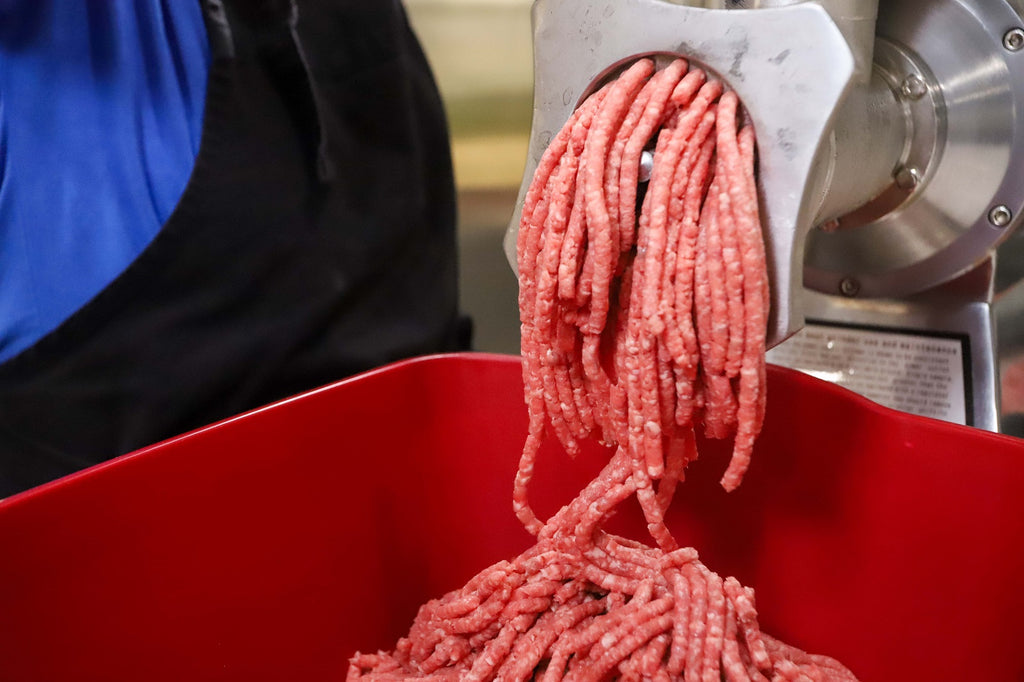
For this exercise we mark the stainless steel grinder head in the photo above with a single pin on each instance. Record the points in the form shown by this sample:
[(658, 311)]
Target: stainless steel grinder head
[(790, 66)]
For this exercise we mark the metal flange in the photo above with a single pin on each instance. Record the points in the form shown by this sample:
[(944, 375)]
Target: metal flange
[(790, 66)]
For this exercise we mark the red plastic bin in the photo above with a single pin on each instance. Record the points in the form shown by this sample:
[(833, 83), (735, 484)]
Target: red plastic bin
[(273, 545)]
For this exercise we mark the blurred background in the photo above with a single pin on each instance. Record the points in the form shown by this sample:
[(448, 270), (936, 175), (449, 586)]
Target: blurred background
[(482, 56)]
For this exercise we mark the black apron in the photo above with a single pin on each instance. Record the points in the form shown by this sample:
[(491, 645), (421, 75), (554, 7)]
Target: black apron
[(314, 239)]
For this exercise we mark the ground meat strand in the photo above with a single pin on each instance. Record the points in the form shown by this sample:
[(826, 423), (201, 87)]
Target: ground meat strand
[(637, 330), (601, 253)]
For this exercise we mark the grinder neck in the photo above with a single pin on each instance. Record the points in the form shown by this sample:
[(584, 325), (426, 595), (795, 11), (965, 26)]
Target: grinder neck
[(862, 153)]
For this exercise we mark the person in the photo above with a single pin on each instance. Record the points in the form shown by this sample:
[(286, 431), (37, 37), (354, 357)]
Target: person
[(207, 206)]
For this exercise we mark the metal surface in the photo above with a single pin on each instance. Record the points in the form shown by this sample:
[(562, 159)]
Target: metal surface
[(1017, 6), (770, 57), (854, 18), (961, 307), (851, 173), (886, 139), (970, 182)]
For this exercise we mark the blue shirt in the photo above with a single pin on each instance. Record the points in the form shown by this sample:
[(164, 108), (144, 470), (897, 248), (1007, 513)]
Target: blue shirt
[(101, 107)]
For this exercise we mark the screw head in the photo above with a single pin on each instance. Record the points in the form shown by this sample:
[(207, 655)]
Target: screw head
[(1000, 216), (849, 287), (907, 177), (646, 165), (914, 87), (1013, 40)]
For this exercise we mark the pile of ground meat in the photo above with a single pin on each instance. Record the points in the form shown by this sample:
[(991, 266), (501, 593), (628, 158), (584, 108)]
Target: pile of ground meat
[(644, 304)]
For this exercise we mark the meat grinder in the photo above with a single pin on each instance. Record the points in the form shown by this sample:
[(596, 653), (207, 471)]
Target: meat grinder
[(890, 172)]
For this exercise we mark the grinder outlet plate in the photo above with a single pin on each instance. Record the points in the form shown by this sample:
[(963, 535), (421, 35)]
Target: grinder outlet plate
[(772, 58)]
